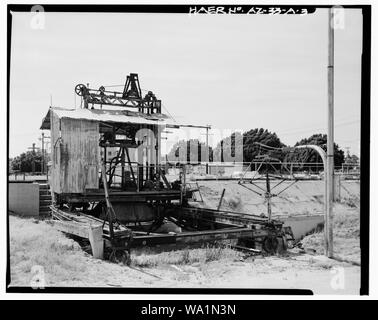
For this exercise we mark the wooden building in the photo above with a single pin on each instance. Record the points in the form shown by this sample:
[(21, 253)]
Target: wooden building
[(77, 136)]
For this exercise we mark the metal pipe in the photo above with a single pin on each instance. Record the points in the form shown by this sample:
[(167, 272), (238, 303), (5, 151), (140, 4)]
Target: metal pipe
[(323, 155)]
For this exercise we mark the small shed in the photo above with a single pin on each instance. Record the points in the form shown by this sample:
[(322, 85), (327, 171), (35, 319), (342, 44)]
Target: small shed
[(75, 142)]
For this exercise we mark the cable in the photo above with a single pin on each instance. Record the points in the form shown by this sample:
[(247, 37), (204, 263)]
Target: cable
[(288, 133), (169, 114), (317, 127)]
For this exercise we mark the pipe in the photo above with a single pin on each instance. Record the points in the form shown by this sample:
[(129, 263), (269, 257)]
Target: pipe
[(327, 221)]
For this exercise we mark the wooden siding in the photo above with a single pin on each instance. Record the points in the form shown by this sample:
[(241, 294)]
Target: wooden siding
[(79, 165), (55, 153)]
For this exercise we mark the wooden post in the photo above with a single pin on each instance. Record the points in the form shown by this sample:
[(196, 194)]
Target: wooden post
[(96, 241), (330, 136), (109, 207), (220, 200)]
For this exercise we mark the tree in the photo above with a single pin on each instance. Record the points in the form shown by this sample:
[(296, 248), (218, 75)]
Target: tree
[(311, 155), (262, 136), (352, 159), (24, 162), (249, 148), (197, 151)]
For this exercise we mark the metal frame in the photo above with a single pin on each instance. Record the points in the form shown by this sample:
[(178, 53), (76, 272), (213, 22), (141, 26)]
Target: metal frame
[(169, 202), (131, 96)]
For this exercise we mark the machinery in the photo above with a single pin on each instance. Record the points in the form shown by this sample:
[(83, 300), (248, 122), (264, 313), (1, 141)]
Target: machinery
[(131, 96), (106, 171)]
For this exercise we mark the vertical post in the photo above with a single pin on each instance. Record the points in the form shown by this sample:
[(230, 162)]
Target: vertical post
[(96, 241), (43, 154), (207, 150), (221, 199), (104, 158), (33, 161), (268, 196), (158, 146), (330, 135), (110, 211), (221, 155), (123, 168), (137, 177)]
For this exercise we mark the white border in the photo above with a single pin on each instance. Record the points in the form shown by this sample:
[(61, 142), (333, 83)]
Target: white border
[(373, 277)]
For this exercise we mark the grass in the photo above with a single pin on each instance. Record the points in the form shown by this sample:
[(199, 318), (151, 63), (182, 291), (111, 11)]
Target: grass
[(35, 243), (346, 234), (65, 264)]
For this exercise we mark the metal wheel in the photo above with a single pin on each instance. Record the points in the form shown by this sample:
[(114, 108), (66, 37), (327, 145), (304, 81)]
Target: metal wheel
[(270, 244), (120, 256), (80, 89)]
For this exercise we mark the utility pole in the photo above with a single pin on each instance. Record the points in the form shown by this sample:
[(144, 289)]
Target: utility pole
[(207, 147), (330, 139), (33, 148), (43, 149)]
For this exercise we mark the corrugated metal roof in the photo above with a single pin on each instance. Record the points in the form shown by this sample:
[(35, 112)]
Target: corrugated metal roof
[(115, 116)]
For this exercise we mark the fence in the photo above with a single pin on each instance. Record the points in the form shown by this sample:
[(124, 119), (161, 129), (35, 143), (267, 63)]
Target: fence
[(27, 176)]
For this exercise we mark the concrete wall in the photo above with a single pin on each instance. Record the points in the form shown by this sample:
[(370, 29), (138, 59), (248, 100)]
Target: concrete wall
[(24, 198)]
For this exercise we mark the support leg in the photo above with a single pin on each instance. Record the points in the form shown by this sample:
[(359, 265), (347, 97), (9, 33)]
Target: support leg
[(96, 241)]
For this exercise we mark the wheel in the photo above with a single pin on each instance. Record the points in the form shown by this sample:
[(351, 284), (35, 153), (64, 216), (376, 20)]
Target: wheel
[(80, 89), (270, 244), (120, 256)]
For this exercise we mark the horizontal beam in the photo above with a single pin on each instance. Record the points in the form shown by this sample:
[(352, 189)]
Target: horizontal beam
[(197, 237), (76, 228), (177, 126)]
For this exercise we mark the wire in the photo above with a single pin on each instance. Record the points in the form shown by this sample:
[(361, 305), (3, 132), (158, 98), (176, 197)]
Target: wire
[(313, 129), (169, 114), (289, 133), (317, 127)]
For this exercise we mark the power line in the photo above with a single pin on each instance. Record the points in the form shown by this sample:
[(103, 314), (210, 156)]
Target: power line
[(341, 124)]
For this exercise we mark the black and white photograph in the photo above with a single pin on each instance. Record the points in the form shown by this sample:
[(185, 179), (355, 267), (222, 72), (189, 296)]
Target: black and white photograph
[(184, 148)]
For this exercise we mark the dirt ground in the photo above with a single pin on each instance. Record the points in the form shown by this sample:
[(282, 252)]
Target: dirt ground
[(39, 252)]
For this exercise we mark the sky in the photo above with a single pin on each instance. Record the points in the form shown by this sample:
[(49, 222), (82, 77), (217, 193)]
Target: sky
[(229, 71)]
